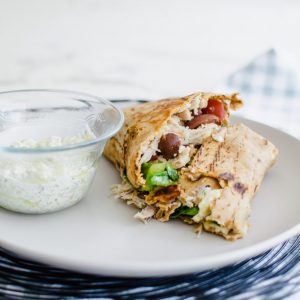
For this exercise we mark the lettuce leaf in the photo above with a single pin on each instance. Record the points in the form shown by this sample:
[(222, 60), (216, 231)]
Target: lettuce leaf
[(185, 211), (158, 174), (172, 172)]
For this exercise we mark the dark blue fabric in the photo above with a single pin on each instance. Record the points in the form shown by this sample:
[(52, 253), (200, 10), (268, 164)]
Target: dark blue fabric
[(274, 274)]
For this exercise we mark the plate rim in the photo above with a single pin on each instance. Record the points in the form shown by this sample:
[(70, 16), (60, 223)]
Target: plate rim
[(145, 270)]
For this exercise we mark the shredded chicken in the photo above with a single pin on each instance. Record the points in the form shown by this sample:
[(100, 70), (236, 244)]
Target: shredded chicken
[(161, 205), (126, 192), (166, 210), (195, 104), (187, 135), (184, 156), (189, 201), (149, 150), (185, 115), (145, 214), (197, 136), (198, 229)]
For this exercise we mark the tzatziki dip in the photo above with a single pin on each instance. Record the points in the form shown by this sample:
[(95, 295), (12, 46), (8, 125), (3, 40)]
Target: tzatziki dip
[(49, 181)]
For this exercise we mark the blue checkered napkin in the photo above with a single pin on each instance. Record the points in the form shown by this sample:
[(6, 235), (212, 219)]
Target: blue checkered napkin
[(270, 86)]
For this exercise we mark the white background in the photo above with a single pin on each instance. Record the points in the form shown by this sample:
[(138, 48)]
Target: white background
[(137, 48)]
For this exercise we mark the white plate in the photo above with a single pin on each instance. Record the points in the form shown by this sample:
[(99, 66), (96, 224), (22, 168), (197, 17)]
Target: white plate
[(99, 235)]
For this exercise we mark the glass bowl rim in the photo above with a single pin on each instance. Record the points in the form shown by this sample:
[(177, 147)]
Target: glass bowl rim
[(105, 136)]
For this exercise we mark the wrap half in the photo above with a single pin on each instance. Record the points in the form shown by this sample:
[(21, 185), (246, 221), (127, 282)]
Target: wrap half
[(224, 177)]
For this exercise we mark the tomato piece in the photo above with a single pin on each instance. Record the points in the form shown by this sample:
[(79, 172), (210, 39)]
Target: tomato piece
[(216, 108)]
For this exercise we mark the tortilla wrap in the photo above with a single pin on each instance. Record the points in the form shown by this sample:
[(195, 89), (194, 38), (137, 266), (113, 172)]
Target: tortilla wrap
[(239, 165)]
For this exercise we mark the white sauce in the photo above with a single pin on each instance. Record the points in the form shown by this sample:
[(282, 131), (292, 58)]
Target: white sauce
[(41, 183)]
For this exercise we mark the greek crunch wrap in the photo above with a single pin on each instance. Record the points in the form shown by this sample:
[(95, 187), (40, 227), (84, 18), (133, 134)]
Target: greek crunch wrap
[(179, 159)]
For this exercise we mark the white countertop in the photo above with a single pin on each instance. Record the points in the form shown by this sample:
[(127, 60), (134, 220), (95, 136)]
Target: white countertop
[(147, 49)]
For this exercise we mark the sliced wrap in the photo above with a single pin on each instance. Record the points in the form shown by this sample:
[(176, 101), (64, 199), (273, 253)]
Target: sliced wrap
[(179, 159)]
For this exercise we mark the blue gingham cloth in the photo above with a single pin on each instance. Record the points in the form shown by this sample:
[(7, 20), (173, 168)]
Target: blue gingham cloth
[(269, 86)]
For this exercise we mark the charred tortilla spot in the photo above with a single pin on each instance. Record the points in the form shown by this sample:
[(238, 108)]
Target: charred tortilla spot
[(133, 132), (240, 188), (166, 190), (226, 176), (163, 196)]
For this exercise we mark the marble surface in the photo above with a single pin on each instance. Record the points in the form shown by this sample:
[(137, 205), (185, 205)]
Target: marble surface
[(145, 49)]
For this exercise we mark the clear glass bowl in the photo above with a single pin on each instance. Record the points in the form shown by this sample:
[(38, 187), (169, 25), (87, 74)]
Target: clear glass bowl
[(50, 143)]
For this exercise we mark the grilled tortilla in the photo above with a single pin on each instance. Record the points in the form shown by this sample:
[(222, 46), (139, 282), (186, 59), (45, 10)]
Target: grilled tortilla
[(236, 167)]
